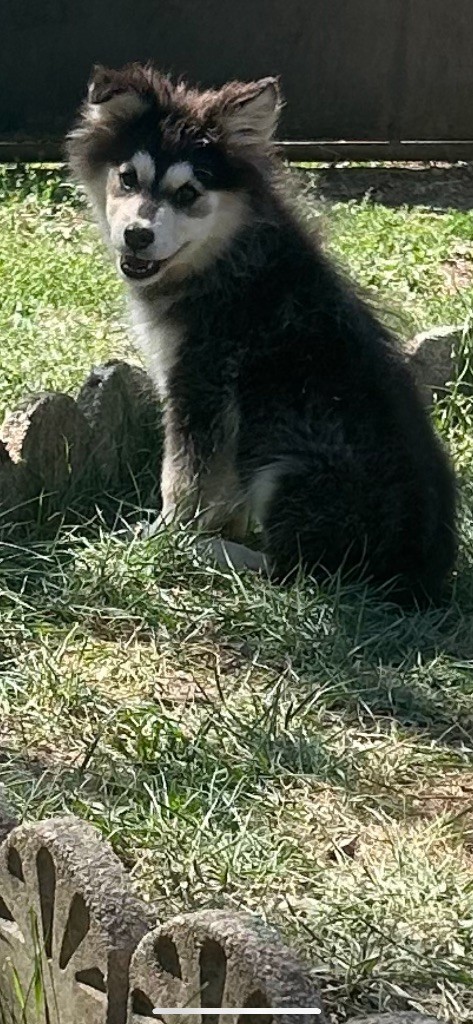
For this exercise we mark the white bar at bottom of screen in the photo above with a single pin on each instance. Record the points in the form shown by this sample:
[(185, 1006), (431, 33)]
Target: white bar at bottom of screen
[(220, 1011)]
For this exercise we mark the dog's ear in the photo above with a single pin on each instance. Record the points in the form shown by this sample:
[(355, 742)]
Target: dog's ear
[(249, 113), (112, 95)]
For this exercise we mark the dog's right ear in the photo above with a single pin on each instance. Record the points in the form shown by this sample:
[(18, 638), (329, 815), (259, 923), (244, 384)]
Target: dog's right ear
[(113, 95)]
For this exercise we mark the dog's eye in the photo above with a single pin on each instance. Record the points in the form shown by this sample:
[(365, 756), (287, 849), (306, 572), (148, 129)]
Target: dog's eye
[(185, 195), (128, 178)]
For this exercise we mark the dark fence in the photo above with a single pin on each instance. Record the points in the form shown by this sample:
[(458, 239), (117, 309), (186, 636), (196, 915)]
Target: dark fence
[(382, 79)]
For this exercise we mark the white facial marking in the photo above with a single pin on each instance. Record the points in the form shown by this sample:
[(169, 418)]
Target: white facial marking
[(145, 169), (199, 237), (177, 175)]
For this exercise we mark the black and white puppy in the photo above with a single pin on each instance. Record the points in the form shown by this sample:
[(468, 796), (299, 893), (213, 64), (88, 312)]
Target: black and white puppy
[(286, 400)]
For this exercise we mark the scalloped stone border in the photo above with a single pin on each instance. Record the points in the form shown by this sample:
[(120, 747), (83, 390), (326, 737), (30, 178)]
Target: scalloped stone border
[(76, 945), (57, 452)]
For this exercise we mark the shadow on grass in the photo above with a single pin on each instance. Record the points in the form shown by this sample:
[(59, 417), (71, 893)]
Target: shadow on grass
[(368, 658), (382, 663), (439, 188)]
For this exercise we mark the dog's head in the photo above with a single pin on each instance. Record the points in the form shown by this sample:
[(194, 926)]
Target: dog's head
[(171, 171)]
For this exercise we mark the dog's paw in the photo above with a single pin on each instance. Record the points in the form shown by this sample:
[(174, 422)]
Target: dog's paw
[(231, 556), (147, 530)]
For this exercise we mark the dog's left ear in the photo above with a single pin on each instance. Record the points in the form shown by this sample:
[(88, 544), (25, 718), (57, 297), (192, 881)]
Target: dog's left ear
[(249, 112), (117, 94)]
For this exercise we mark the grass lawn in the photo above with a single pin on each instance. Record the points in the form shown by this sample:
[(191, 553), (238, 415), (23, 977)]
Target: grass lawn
[(305, 754)]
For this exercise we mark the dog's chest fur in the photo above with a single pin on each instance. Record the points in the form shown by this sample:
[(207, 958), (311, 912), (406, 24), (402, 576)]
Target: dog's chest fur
[(160, 336)]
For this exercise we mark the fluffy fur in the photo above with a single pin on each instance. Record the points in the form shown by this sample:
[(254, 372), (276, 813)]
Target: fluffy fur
[(286, 399)]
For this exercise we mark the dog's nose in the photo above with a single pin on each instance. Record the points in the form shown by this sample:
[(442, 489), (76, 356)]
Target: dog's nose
[(137, 237)]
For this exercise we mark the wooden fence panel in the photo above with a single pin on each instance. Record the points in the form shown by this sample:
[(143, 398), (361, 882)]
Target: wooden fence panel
[(369, 72)]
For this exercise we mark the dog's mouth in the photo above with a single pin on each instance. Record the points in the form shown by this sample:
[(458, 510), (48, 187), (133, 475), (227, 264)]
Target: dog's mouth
[(138, 269)]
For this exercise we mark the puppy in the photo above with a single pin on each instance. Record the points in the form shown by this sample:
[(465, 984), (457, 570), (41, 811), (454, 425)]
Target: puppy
[(286, 400)]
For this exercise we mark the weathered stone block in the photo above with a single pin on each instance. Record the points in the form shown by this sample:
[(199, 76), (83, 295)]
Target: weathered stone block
[(433, 359), (123, 412), (215, 958), (68, 925), (44, 459)]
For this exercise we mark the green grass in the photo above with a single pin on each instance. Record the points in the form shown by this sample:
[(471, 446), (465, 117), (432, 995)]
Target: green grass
[(307, 753)]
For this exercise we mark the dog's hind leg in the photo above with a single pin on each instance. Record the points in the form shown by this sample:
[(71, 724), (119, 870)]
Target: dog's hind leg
[(316, 517), (334, 512)]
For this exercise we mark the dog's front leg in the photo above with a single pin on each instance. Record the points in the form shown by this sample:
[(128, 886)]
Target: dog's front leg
[(199, 481), (179, 480)]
